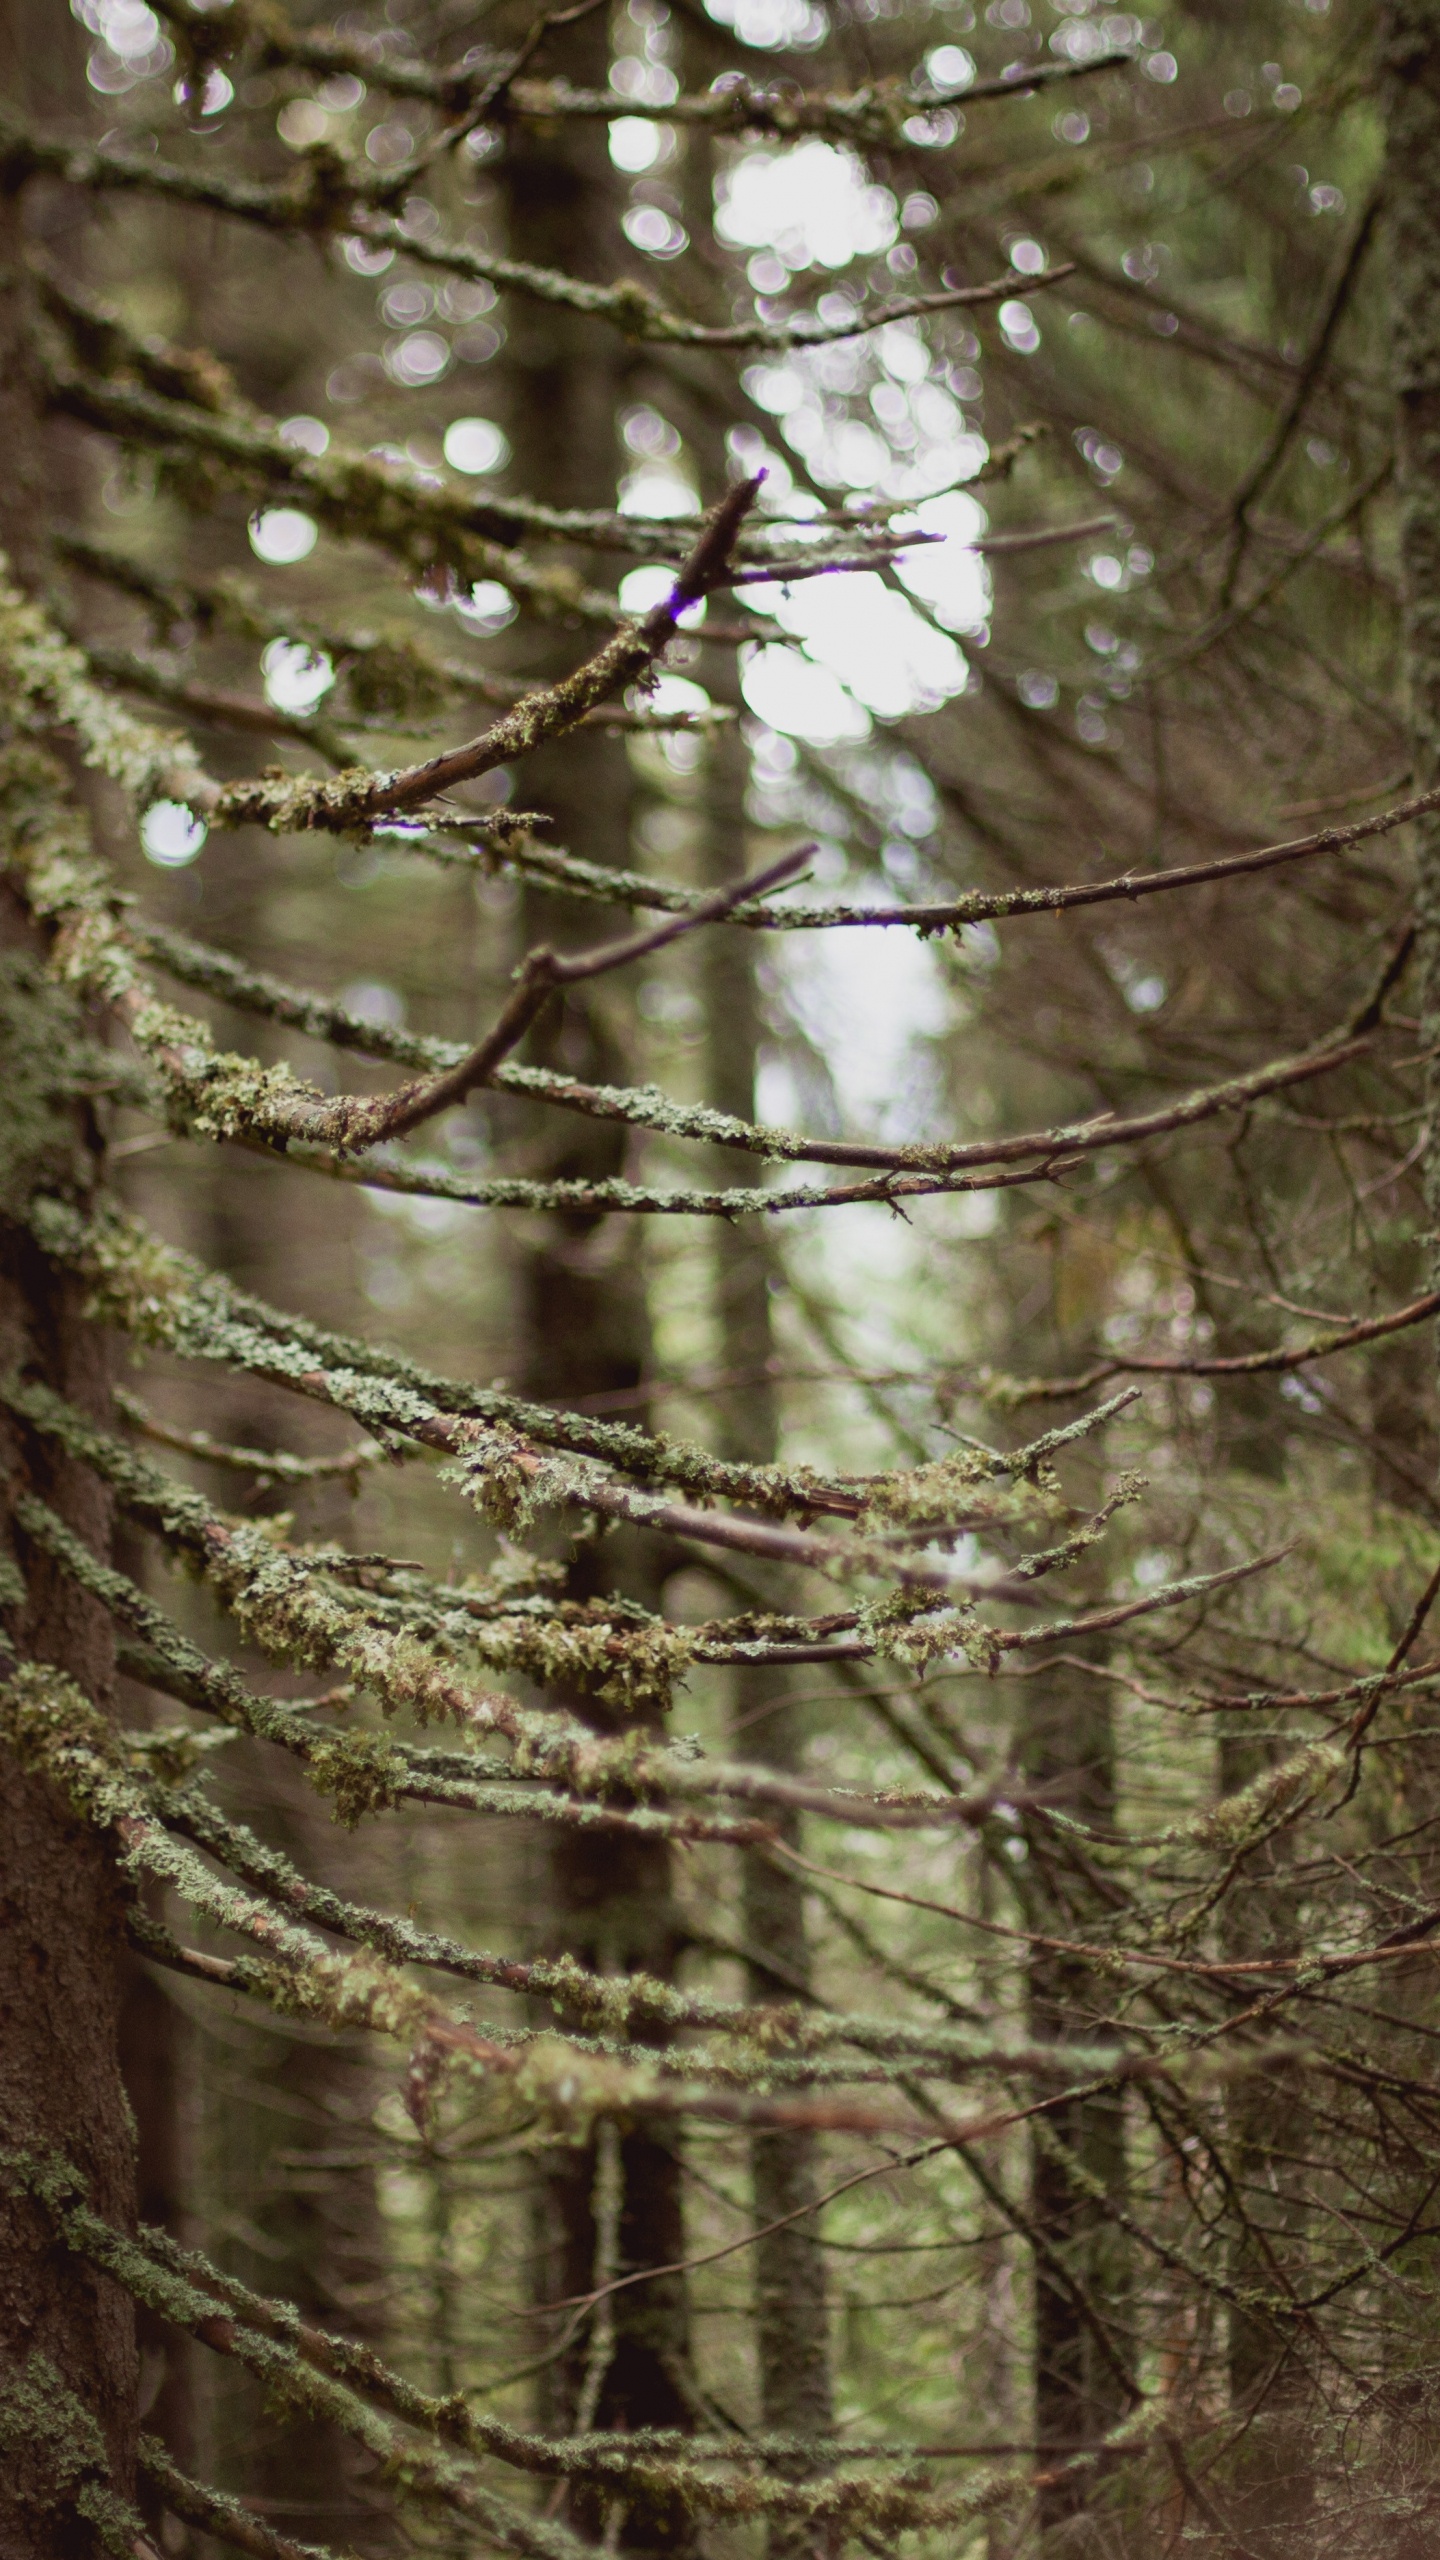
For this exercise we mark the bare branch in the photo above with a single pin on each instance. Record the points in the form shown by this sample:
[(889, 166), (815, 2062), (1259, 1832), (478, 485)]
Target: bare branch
[(1240, 1364), (569, 872)]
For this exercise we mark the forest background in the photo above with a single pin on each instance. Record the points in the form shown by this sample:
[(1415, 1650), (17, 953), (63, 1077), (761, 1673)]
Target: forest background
[(1013, 2127)]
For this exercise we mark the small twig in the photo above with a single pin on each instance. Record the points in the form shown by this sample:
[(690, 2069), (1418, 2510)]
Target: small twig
[(542, 972), (1369, 1706), (1041, 537), (274, 1466), (1240, 1364), (547, 713)]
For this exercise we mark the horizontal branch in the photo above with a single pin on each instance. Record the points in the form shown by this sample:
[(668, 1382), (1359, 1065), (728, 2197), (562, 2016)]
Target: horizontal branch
[(568, 872), (357, 499), (1122, 1613), (325, 194), (361, 1772), (543, 973), (618, 2005), (638, 312), (876, 115), (235, 1099), (323, 2377), (1243, 1364), (908, 1173), (215, 2512), (189, 399), (166, 1298), (1043, 537), (213, 705), (485, 80), (273, 1466)]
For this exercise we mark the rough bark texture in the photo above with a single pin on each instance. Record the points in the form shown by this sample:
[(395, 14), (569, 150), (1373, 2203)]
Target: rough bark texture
[(156, 2063), (60, 2084), (585, 1332)]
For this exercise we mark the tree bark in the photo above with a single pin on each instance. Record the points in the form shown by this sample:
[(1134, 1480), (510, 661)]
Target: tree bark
[(585, 1332), (791, 2306), (63, 2328), (1410, 55), (292, 2148), (1409, 48), (1082, 2344)]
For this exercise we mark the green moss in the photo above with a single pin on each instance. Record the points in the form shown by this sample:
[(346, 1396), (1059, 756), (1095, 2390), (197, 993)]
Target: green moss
[(1238, 1821), (36, 2409)]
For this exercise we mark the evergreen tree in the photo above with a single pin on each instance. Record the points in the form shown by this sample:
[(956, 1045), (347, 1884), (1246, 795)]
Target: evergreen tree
[(1016, 1992)]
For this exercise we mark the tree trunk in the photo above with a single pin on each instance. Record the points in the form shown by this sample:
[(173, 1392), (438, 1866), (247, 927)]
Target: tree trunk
[(1082, 2345), (1410, 48), (63, 2328), (585, 1332), (791, 2309), (1409, 42), (292, 2142)]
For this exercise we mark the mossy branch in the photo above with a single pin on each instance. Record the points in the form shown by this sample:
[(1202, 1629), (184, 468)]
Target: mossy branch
[(328, 194), (303, 2367)]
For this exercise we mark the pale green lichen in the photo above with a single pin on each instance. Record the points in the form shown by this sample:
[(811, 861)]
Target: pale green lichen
[(168, 1299), (48, 684), (47, 2430), (54, 1730), (907, 1627), (1238, 1821), (362, 1773)]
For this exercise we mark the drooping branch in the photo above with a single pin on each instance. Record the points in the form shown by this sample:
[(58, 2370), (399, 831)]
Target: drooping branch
[(542, 974), (187, 400), (394, 675)]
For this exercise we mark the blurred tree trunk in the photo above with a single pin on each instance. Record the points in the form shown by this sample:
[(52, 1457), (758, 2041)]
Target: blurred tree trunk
[(1272, 2402), (63, 2329), (791, 2310), (1083, 2347), (1410, 45), (1403, 1407), (157, 2062), (291, 2147), (585, 1333)]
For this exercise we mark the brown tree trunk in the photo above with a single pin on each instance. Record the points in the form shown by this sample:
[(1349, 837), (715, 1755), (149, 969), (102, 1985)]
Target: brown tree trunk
[(157, 2063), (63, 2329), (1082, 2344), (292, 2148), (585, 1332), (1410, 51), (791, 2307), (1404, 1408)]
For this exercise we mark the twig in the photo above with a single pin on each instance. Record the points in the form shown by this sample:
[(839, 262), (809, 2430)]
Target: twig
[(542, 973), (547, 713)]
